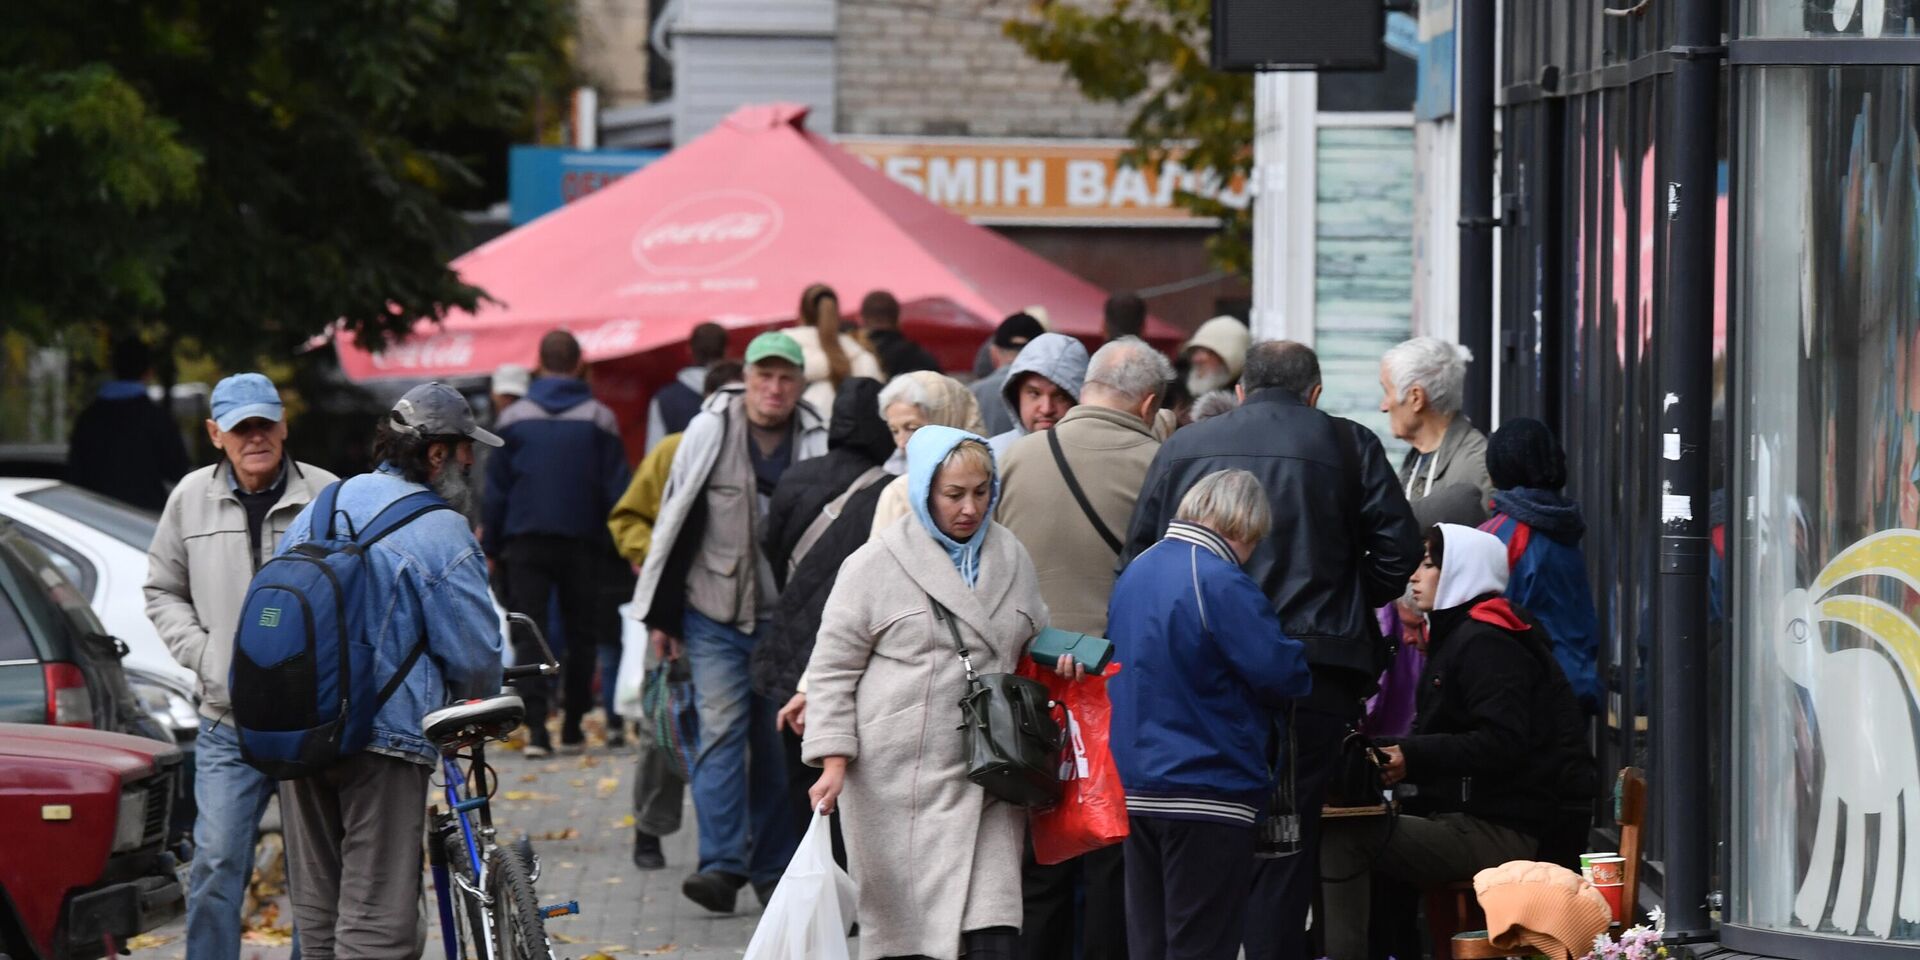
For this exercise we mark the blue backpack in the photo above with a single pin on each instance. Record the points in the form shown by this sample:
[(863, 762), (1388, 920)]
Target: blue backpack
[(303, 687)]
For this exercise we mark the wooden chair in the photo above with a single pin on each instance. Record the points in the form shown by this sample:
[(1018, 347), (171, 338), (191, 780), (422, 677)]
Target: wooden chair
[(1455, 908)]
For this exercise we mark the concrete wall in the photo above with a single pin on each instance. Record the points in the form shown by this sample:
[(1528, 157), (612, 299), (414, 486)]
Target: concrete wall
[(613, 50), (943, 67)]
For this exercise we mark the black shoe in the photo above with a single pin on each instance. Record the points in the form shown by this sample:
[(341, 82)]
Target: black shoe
[(647, 854), (617, 738), (572, 741), (714, 890), (765, 892)]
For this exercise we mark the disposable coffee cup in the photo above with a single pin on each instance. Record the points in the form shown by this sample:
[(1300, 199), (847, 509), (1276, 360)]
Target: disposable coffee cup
[(1614, 892), (1608, 871), (1586, 863)]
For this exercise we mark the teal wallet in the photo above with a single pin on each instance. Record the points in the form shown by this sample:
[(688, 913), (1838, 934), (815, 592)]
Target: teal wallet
[(1093, 653)]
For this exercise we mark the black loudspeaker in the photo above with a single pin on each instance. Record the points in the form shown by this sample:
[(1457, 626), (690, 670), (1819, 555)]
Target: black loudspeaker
[(1299, 34)]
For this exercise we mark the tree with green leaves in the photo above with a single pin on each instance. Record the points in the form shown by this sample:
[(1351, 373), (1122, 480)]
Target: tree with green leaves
[(246, 172), (1152, 54)]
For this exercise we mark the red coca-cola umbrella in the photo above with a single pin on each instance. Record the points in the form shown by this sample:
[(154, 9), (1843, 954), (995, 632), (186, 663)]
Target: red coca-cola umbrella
[(731, 228)]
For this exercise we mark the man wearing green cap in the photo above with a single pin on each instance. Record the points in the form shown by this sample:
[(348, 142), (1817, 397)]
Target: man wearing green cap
[(713, 588)]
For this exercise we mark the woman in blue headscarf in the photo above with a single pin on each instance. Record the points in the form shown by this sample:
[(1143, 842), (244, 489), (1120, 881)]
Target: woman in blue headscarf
[(937, 859)]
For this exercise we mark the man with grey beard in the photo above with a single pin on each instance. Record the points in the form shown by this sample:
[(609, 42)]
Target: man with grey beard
[(353, 830)]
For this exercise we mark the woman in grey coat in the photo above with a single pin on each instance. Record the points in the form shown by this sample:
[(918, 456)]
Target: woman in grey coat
[(937, 859)]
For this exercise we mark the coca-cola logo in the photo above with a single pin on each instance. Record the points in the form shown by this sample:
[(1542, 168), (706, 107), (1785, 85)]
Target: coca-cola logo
[(440, 351), (707, 232)]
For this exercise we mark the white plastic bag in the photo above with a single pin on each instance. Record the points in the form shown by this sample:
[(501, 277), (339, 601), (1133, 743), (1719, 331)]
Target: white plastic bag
[(813, 908), (634, 658)]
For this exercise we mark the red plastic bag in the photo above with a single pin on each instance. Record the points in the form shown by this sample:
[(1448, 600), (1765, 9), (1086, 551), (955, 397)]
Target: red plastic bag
[(1092, 812)]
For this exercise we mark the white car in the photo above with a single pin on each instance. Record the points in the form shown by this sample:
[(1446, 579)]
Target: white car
[(101, 545)]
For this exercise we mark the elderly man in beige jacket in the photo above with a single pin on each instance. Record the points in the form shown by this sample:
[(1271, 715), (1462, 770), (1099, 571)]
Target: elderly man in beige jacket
[(220, 524), (1068, 494)]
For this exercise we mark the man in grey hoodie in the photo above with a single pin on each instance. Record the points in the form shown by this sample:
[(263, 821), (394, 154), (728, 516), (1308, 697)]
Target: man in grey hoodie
[(1042, 384)]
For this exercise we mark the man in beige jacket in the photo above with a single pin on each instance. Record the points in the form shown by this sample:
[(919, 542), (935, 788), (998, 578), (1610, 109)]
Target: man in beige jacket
[(1106, 444), (220, 524)]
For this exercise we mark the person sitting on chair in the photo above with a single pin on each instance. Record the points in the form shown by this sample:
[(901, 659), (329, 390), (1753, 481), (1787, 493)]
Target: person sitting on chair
[(1497, 744)]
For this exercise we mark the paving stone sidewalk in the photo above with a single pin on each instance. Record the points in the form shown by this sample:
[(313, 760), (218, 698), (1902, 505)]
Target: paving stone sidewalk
[(578, 810)]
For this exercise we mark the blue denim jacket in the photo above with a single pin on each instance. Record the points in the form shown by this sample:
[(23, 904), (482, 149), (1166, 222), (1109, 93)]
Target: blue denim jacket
[(428, 575)]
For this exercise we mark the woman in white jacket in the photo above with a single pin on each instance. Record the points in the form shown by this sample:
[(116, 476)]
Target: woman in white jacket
[(831, 356)]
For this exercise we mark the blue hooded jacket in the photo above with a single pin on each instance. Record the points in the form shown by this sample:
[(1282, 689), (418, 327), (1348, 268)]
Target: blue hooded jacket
[(926, 450), (562, 470), (1548, 578), (1205, 673)]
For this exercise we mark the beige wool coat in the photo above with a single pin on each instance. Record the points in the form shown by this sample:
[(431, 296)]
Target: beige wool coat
[(933, 854), (1109, 452)]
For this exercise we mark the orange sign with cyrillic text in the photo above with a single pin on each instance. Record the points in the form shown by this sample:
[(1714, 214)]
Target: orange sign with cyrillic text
[(1011, 181)]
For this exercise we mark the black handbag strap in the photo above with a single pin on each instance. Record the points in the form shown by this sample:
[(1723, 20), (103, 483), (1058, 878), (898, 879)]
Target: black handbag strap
[(1079, 495), (942, 614)]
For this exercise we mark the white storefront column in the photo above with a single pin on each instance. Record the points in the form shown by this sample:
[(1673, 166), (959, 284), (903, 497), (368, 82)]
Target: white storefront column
[(1284, 108)]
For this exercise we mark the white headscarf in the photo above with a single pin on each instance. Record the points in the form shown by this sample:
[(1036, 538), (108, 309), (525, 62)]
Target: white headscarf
[(1473, 564)]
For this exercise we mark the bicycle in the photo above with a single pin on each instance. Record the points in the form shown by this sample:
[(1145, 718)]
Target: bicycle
[(485, 891)]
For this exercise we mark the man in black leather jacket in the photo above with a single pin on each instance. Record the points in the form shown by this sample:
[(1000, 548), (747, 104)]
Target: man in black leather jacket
[(1344, 543)]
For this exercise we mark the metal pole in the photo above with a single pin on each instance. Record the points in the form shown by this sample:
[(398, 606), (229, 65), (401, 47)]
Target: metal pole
[(1685, 357), (1473, 32)]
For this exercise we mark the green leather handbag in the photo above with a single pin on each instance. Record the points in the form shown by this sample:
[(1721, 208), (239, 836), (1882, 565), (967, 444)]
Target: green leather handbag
[(1011, 740)]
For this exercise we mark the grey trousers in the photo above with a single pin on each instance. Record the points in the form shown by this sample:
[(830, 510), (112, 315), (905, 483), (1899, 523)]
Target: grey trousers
[(1421, 851), (354, 855)]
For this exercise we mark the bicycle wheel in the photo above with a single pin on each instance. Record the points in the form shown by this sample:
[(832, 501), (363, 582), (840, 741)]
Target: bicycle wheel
[(469, 914), (519, 931)]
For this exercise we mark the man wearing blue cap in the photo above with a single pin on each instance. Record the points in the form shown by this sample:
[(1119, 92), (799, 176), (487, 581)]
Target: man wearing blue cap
[(219, 525)]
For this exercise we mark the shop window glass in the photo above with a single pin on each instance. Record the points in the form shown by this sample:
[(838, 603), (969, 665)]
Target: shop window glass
[(1830, 18), (1826, 578)]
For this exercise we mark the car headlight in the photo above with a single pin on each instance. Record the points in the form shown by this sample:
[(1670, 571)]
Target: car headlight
[(130, 828), (166, 704)]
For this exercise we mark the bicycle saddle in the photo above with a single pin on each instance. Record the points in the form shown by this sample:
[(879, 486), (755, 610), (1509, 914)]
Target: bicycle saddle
[(465, 724)]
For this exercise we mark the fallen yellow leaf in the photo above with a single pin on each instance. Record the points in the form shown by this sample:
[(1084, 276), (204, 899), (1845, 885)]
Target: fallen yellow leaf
[(567, 834), (558, 937), (624, 823), (527, 795), (529, 778), (607, 786), (148, 941)]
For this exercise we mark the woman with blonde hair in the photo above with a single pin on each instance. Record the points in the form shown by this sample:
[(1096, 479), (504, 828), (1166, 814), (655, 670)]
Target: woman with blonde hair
[(832, 356), (937, 857)]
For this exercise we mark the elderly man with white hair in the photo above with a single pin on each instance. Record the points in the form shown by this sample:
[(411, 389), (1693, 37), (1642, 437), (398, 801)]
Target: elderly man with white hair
[(1422, 380), (1067, 494)]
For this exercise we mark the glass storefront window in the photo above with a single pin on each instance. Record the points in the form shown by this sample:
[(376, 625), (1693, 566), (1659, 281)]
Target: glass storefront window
[(1778, 19), (1826, 512)]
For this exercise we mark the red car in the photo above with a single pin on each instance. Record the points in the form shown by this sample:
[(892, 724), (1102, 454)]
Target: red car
[(84, 865)]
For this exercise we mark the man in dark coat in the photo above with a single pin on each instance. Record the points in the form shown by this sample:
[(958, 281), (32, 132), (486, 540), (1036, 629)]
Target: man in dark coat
[(1343, 544), (858, 443), (124, 445), (549, 491)]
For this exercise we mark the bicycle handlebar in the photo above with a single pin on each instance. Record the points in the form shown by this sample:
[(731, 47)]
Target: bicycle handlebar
[(530, 670)]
